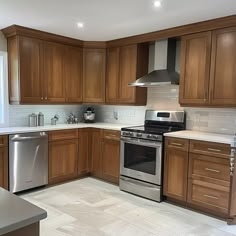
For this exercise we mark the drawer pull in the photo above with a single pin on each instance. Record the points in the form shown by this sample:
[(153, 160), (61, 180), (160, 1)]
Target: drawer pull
[(212, 170), (212, 197), (213, 150), (177, 144)]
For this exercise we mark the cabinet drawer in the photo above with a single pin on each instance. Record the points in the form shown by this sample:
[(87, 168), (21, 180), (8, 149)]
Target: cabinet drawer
[(63, 134), (210, 196), (111, 134), (3, 141), (210, 148), (178, 143), (210, 167)]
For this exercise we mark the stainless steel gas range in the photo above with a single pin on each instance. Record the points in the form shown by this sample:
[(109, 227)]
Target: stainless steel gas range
[(142, 151)]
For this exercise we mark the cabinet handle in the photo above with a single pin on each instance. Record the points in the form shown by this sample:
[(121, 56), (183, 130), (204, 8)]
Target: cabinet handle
[(177, 144), (41, 98), (46, 98), (212, 197), (213, 150), (212, 170)]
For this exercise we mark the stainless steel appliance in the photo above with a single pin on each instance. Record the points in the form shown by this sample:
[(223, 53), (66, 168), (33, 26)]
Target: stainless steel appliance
[(142, 150), (89, 115), (28, 161), (40, 119)]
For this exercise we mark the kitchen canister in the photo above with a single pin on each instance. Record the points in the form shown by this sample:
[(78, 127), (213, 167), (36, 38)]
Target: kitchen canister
[(40, 119), (33, 120)]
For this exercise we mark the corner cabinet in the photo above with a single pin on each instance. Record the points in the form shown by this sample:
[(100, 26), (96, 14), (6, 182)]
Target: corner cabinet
[(124, 65), (208, 69), (94, 72)]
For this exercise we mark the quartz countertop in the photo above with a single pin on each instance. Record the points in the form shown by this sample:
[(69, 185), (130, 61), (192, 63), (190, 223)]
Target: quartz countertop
[(16, 213), (203, 136), (25, 129)]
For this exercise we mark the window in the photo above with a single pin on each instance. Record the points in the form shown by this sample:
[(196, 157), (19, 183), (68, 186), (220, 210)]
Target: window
[(3, 90)]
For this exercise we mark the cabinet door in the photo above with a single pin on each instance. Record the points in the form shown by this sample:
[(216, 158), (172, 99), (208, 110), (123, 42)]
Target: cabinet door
[(223, 72), (31, 86), (195, 68), (73, 65), (94, 75), (112, 79), (128, 63), (96, 163), (84, 151), (175, 174), (111, 160), (54, 86), (63, 158), (4, 167)]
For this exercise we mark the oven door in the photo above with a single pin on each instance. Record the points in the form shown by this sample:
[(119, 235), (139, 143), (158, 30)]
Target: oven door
[(141, 159)]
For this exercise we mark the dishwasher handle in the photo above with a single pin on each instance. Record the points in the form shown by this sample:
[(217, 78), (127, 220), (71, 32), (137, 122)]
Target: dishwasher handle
[(27, 138)]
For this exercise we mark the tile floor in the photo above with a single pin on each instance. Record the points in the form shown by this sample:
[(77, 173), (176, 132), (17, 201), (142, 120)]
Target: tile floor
[(90, 207)]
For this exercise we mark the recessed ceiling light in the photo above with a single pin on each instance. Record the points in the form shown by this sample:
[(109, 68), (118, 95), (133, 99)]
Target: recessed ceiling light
[(157, 4), (80, 24)]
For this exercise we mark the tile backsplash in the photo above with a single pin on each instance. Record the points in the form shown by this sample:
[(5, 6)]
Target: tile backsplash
[(216, 120), (18, 114)]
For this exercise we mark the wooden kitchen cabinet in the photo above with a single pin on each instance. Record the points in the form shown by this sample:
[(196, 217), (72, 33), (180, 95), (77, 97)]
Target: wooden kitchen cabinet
[(111, 156), (4, 167), (124, 65), (176, 168), (42, 71), (96, 161), (94, 71), (223, 73), (73, 68), (195, 68), (208, 69), (84, 151), (63, 157), (54, 84)]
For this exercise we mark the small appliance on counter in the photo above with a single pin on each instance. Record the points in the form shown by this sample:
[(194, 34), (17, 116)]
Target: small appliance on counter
[(89, 115)]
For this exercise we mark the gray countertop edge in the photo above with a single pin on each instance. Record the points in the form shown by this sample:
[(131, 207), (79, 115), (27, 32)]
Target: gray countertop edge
[(23, 223)]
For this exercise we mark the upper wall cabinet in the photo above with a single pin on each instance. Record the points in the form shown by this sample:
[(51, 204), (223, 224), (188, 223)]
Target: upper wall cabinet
[(94, 68), (73, 68), (208, 69), (124, 65), (43, 68)]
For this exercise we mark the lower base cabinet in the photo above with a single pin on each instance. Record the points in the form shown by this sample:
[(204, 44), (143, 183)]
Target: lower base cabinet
[(197, 175), (63, 157), (4, 167), (111, 156)]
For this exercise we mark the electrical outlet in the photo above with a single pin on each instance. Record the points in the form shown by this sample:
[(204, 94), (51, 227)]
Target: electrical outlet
[(115, 115)]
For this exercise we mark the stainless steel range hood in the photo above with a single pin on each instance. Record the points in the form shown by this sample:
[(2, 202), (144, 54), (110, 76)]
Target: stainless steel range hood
[(164, 66)]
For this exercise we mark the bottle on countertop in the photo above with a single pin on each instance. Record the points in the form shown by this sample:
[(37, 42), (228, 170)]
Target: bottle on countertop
[(40, 119)]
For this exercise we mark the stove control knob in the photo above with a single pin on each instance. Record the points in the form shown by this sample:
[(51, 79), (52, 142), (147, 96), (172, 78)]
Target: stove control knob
[(149, 136), (155, 137), (139, 135), (131, 134)]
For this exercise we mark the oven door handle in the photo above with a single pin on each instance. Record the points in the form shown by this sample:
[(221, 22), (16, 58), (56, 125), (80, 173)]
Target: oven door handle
[(142, 142)]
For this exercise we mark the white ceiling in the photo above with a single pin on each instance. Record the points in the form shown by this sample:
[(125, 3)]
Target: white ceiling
[(109, 19)]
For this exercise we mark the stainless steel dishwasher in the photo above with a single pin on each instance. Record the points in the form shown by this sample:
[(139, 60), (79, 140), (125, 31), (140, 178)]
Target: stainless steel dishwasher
[(28, 161)]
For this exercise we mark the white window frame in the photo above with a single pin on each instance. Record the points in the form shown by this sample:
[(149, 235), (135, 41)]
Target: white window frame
[(4, 95)]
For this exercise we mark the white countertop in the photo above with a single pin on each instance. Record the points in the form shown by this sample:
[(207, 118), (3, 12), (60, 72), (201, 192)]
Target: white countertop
[(14, 130), (203, 136)]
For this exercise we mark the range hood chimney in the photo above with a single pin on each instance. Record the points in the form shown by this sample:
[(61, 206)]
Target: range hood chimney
[(164, 66)]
